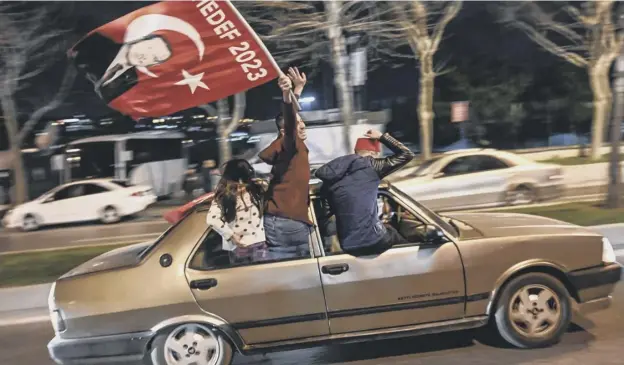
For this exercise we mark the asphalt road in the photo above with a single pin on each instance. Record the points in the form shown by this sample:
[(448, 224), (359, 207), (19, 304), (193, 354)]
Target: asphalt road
[(596, 339), (83, 235)]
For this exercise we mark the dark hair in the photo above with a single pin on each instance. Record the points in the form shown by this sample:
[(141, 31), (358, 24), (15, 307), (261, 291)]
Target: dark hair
[(237, 173)]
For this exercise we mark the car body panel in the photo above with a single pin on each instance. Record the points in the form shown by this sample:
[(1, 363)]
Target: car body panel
[(402, 286), (410, 289)]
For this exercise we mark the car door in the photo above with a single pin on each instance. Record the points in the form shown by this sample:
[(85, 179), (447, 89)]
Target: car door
[(54, 208), (410, 284), (95, 198), (265, 301), (468, 181)]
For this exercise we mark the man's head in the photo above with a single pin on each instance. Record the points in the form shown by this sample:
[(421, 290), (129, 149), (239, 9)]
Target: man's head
[(368, 147), (301, 128), (148, 52)]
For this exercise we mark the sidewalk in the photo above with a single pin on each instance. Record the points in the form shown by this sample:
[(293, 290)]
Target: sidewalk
[(28, 304)]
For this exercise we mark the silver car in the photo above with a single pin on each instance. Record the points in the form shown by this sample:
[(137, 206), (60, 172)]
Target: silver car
[(479, 178)]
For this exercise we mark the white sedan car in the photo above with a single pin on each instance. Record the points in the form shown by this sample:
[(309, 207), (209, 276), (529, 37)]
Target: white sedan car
[(476, 178), (88, 200)]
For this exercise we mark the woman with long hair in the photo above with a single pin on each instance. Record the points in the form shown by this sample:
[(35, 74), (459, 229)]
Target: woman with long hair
[(236, 212)]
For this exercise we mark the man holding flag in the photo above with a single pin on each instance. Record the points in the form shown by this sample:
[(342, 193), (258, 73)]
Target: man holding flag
[(286, 221)]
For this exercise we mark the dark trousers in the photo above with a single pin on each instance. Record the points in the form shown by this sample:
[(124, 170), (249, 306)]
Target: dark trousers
[(391, 237)]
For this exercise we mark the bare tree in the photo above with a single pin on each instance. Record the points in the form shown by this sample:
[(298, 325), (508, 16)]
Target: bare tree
[(310, 33), (420, 25), (25, 52), (227, 124), (583, 34)]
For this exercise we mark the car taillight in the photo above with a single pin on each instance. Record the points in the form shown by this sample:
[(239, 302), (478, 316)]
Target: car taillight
[(58, 323), (142, 193)]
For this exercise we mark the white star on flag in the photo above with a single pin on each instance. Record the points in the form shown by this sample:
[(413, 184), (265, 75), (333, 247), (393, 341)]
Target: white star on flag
[(193, 81)]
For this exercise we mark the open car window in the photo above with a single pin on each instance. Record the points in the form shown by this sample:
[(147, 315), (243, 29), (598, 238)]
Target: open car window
[(392, 214), (213, 253)]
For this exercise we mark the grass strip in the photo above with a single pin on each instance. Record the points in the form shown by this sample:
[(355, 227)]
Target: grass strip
[(30, 268), (581, 213), (578, 160)]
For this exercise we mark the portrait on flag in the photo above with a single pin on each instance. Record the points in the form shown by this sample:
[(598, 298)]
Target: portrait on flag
[(172, 56)]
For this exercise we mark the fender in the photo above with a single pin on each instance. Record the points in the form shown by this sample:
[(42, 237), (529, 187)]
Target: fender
[(515, 269), (207, 319)]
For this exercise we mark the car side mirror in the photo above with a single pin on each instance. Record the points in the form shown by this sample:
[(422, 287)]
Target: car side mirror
[(438, 175), (433, 235)]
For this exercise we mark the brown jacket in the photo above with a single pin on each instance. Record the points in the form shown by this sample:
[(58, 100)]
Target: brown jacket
[(288, 193)]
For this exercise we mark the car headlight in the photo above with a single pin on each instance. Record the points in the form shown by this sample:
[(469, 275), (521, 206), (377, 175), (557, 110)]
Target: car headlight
[(608, 255)]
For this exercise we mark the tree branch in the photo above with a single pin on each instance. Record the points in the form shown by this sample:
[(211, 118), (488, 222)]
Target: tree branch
[(450, 12), (66, 85)]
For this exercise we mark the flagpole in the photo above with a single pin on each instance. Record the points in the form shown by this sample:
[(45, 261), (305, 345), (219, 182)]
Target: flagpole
[(293, 98)]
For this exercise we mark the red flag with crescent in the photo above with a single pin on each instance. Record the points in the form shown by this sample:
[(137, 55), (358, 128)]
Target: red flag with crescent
[(172, 56)]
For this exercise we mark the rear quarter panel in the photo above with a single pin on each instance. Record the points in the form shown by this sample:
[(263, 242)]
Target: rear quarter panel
[(133, 299), (489, 262)]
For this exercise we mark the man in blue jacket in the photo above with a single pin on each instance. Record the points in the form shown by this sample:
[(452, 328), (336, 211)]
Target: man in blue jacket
[(351, 186)]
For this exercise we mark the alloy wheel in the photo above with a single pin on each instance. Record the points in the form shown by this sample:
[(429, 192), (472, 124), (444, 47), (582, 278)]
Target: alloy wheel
[(30, 223), (192, 344), (110, 215), (535, 310)]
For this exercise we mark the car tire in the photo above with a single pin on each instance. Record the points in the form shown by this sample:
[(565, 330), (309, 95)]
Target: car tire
[(110, 215), (545, 320), (171, 346), (30, 223), (521, 195)]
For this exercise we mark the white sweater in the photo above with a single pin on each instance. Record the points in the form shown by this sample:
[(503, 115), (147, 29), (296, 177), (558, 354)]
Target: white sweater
[(248, 223)]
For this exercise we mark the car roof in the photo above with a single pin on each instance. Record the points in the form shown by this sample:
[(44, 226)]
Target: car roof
[(98, 180)]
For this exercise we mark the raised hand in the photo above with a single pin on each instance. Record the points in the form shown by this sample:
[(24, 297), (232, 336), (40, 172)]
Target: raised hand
[(298, 79), (373, 134)]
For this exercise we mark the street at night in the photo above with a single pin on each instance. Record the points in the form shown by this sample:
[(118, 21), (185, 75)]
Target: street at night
[(598, 340)]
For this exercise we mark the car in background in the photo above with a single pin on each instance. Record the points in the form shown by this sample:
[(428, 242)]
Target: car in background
[(475, 178), (106, 200), (190, 303)]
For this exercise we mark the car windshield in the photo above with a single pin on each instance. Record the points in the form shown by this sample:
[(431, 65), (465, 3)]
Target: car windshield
[(423, 168), (431, 215)]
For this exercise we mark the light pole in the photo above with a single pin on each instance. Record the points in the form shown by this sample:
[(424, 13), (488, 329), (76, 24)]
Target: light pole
[(615, 174)]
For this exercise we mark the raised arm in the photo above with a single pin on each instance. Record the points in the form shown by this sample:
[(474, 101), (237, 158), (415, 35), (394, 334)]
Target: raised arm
[(387, 165)]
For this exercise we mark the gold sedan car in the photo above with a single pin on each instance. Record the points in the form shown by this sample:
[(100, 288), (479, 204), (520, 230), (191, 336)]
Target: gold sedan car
[(180, 300)]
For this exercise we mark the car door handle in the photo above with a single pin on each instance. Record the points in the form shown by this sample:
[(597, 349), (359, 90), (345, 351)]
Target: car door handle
[(335, 269), (204, 284)]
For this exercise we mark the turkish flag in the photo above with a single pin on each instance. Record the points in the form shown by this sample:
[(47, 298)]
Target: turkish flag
[(172, 56)]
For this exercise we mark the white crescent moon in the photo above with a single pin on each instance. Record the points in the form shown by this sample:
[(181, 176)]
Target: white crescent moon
[(145, 25)]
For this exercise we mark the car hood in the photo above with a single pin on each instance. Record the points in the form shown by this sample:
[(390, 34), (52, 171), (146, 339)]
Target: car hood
[(515, 224), (115, 259)]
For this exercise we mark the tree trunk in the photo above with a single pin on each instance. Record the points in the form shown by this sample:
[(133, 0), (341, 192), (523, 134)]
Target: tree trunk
[(425, 106), (339, 59), (226, 125), (601, 90), (20, 184), (225, 149), (614, 193)]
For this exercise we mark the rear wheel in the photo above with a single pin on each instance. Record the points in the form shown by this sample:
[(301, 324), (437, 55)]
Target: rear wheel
[(520, 195), (533, 311), (191, 343), (30, 223), (110, 215)]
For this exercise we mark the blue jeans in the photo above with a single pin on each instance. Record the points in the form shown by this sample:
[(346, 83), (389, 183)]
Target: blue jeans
[(286, 238)]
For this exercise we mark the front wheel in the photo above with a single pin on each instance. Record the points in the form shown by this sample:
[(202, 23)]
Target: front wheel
[(191, 343), (533, 311), (521, 195), (30, 223)]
